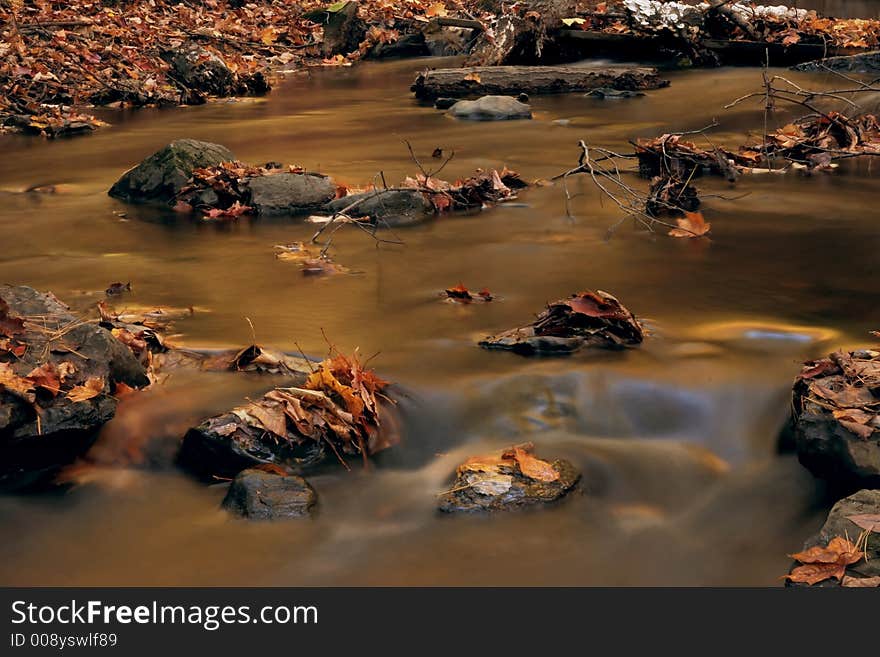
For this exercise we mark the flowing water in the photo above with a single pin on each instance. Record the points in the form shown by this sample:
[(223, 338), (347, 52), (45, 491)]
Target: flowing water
[(677, 440)]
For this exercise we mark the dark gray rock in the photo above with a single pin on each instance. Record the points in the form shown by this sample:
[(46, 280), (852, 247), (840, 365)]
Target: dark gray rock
[(200, 72), (844, 449), (260, 495), (161, 176), (33, 446), (408, 45), (866, 62), (491, 108), (605, 93), (444, 103), (290, 193), (865, 502), (391, 208)]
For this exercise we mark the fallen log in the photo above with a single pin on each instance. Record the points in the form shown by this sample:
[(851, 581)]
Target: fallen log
[(506, 80), (868, 62)]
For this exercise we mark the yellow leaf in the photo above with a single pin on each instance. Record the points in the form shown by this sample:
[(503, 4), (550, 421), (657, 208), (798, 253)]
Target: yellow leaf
[(91, 388), (269, 36)]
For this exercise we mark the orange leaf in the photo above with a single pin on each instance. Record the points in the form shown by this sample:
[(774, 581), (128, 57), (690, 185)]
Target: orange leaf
[(691, 225), (816, 572), (533, 467)]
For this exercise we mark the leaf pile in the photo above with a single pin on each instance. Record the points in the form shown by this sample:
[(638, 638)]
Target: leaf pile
[(735, 21), (821, 563), (336, 411), (513, 478), (586, 319), (845, 385), (228, 182), (485, 188)]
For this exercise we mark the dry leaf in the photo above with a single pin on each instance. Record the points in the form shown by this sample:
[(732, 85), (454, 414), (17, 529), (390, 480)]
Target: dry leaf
[(869, 521), (473, 76), (533, 467), (861, 582), (692, 224), (821, 563), (93, 387)]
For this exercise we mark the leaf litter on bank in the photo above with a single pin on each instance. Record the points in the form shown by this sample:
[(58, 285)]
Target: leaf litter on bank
[(820, 563)]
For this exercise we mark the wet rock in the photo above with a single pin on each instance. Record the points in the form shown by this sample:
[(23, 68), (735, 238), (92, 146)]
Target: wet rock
[(201, 72), (839, 523), (160, 177), (491, 108), (408, 45), (262, 495), (866, 62), (391, 208), (836, 413), (588, 319), (58, 375), (289, 193), (445, 103), (604, 93), (328, 413), (511, 480)]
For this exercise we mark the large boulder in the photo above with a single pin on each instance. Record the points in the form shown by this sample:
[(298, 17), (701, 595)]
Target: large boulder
[(160, 177), (850, 518), (836, 404), (386, 207), (267, 495), (58, 377), (491, 108), (289, 193)]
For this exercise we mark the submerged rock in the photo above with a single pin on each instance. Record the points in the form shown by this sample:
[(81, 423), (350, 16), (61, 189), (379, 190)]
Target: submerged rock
[(445, 103), (836, 416), (394, 208), (608, 92), (850, 518), (588, 319), (289, 193), (513, 479), (58, 375), (259, 494), (160, 177), (491, 108)]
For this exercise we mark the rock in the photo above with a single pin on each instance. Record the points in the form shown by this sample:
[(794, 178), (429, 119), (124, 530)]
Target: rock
[(261, 495), (41, 428), (161, 176), (444, 103), (588, 319), (606, 93), (289, 193), (199, 71), (478, 81), (408, 45), (864, 502), (512, 480), (391, 208), (491, 108), (448, 41), (866, 62), (343, 30), (836, 413)]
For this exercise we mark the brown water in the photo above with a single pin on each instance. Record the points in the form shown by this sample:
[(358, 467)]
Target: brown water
[(677, 440)]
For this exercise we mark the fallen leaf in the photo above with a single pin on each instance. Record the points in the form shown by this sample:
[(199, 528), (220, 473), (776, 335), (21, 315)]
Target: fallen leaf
[(816, 572), (861, 582), (93, 387), (473, 76), (14, 384), (533, 467), (839, 550), (869, 521), (692, 224), (9, 326), (47, 377)]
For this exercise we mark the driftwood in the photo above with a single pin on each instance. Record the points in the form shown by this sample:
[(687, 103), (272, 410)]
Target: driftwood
[(482, 80)]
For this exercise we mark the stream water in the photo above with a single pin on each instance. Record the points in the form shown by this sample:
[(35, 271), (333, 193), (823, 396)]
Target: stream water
[(677, 440)]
